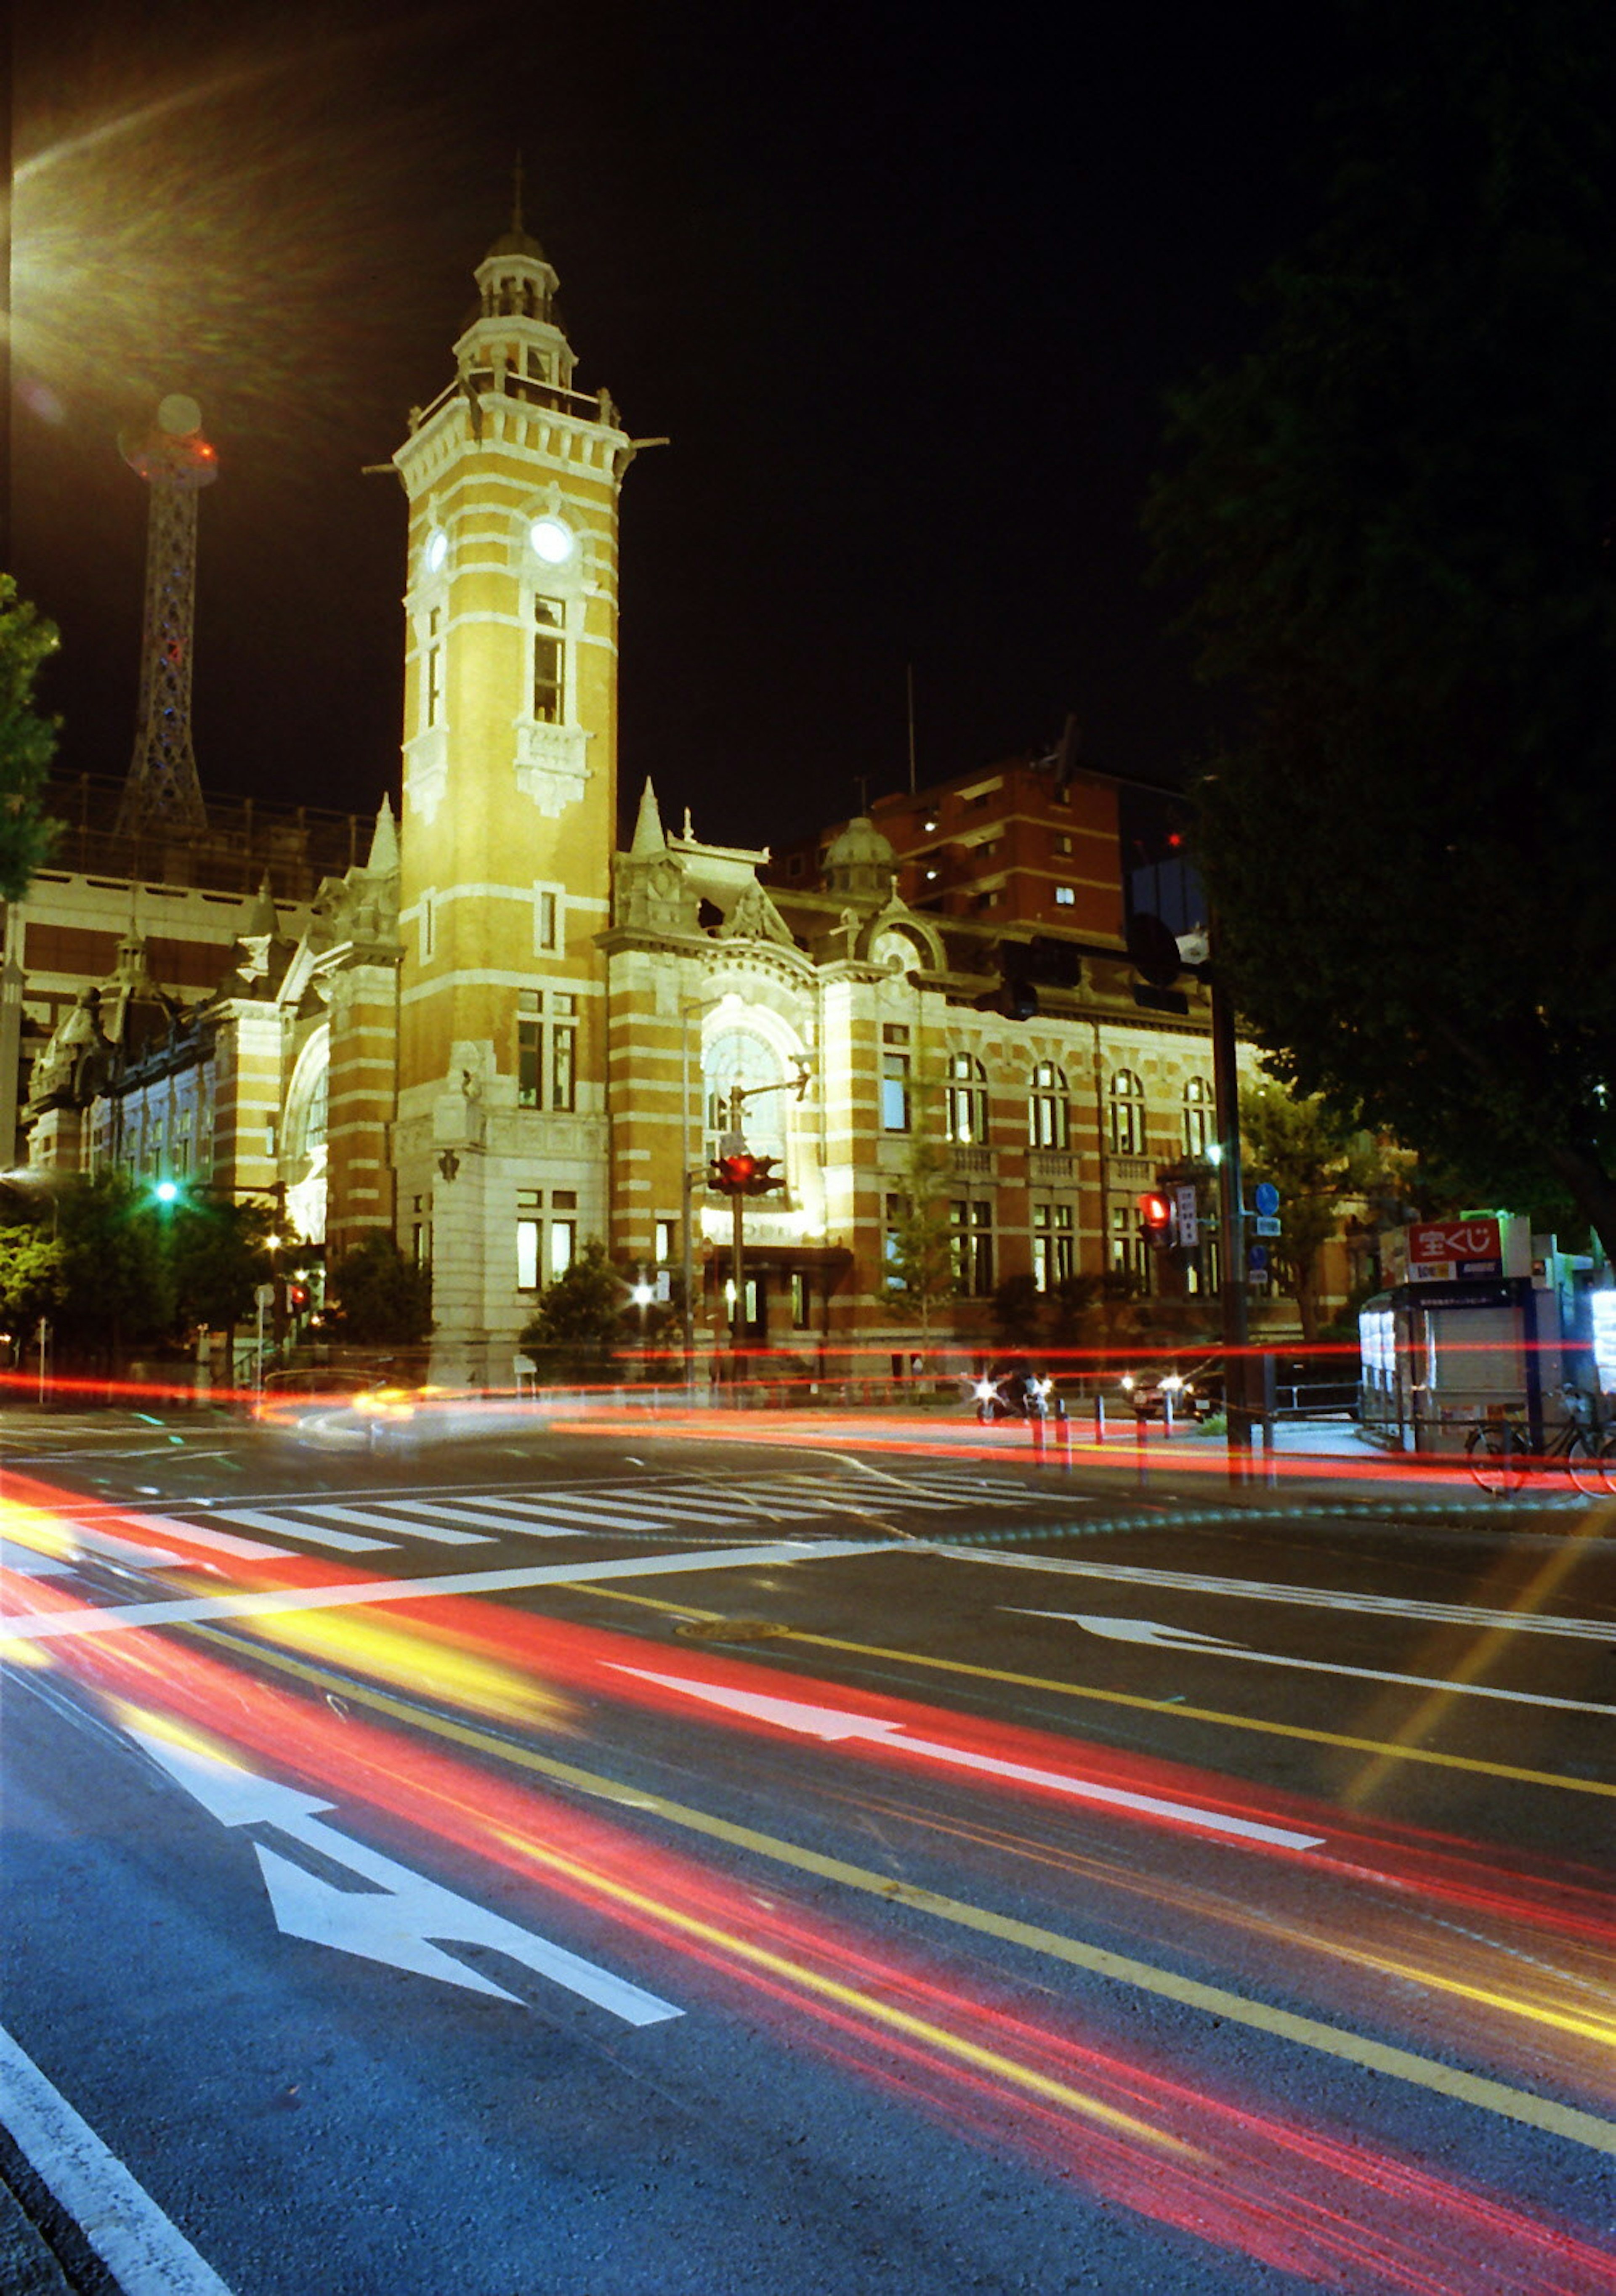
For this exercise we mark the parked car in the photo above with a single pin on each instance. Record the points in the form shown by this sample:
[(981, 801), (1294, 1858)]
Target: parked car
[(1196, 1394)]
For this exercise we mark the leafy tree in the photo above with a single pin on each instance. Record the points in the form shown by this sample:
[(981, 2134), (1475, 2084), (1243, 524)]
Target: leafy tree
[(921, 1274), (1394, 518), (381, 1299), (218, 1255), (1017, 1309), (27, 742), (116, 1282), (1319, 1166), (33, 1279), (585, 1304)]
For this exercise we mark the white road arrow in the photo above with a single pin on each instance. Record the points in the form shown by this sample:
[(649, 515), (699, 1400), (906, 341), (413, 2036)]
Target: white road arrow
[(394, 1923), (1146, 1630), (831, 1724)]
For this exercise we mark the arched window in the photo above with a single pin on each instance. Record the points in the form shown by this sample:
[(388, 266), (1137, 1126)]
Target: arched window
[(1049, 1109), (1197, 1117), (1127, 1114), (738, 1056), (967, 1104)]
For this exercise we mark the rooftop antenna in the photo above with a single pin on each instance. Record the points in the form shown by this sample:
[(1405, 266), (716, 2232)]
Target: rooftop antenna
[(176, 463)]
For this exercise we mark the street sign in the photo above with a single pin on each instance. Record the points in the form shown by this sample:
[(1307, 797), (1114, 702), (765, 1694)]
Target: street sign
[(1266, 1224), (1189, 1219), (1265, 1197), (1257, 1258)]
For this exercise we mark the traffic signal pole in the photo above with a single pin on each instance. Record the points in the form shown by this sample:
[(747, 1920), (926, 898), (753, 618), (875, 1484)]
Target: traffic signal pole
[(1236, 1326)]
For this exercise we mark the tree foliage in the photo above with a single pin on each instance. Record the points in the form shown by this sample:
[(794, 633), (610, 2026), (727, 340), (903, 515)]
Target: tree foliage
[(380, 1299), (27, 742), (33, 1279), (921, 1274), (218, 1255), (1321, 1168), (1397, 522), (583, 1308), (117, 1285)]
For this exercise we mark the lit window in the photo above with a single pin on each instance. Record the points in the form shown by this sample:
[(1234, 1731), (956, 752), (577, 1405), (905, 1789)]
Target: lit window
[(563, 1051), (564, 1241), (966, 1102), (527, 1255), (530, 1048), (1065, 897), (1197, 1116), (970, 1238), (1127, 1114), (1052, 1245), (549, 662), (895, 1092), (662, 1247), (433, 690), (1048, 1108)]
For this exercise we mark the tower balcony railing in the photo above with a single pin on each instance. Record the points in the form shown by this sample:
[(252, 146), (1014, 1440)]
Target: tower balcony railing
[(507, 382), (969, 1163), (1050, 1168)]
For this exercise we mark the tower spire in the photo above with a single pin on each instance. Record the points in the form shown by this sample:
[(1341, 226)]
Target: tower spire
[(176, 461)]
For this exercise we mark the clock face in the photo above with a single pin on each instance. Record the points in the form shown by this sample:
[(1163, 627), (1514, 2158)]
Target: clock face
[(552, 541), (437, 550)]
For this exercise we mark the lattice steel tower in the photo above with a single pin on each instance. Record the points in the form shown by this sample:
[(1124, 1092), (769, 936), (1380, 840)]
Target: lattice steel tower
[(176, 463)]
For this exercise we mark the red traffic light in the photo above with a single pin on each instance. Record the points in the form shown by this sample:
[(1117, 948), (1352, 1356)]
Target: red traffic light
[(732, 1176), (744, 1174), (1155, 1216)]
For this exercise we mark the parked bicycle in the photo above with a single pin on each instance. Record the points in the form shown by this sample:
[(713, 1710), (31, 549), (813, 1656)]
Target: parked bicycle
[(1500, 1456)]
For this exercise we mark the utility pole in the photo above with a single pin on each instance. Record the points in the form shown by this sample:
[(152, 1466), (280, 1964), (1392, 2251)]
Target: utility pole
[(1231, 1221)]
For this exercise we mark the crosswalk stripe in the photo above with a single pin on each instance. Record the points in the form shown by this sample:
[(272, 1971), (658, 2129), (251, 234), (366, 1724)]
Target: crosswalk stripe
[(567, 1511), (28, 1562), (497, 1522), (438, 1532), (680, 1509), (202, 1534), (347, 1541)]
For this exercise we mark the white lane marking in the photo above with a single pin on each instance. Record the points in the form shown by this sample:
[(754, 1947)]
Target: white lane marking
[(1145, 1630), (397, 1926), (831, 1724), (57, 1625), (366, 1519), (347, 1542), (145, 2254), (1257, 1590), (29, 1562)]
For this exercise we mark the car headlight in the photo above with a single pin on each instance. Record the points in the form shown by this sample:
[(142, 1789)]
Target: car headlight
[(985, 1388)]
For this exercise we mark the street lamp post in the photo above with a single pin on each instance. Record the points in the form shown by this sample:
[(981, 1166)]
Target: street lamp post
[(697, 1006)]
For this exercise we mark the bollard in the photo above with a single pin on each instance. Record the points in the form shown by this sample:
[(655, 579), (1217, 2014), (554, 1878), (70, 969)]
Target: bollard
[(1167, 1414), (1099, 1415), (1036, 1421), (1063, 1435), (1140, 1458)]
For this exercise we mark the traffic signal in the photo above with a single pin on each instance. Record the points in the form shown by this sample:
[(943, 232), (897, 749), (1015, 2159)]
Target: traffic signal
[(742, 1174), (1155, 1217)]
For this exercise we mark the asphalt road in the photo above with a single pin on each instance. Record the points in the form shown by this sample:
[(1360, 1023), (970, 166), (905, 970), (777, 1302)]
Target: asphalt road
[(608, 1855)]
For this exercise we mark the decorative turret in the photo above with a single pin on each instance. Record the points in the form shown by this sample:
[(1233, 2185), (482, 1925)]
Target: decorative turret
[(515, 344)]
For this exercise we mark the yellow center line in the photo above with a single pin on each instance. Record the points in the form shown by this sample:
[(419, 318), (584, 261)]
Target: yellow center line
[(1388, 1752), (1562, 2121)]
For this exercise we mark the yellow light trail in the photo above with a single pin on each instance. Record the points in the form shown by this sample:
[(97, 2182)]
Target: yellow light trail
[(1562, 2120)]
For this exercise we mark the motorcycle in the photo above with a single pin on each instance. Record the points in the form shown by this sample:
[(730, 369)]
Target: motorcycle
[(1013, 1395)]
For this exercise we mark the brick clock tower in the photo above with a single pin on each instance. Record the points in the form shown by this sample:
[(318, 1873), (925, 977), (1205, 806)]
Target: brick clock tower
[(509, 814)]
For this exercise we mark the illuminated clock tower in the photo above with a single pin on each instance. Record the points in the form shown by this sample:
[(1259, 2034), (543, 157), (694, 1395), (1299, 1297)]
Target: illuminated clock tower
[(509, 816)]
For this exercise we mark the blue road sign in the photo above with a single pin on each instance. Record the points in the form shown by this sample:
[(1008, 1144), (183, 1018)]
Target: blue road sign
[(1265, 1196)]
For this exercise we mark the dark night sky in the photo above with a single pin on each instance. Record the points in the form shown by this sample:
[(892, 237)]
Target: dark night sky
[(905, 289)]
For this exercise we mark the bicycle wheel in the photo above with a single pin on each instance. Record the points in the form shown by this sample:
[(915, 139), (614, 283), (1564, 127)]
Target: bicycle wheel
[(1606, 1444), (1495, 1458), (1588, 1464)]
